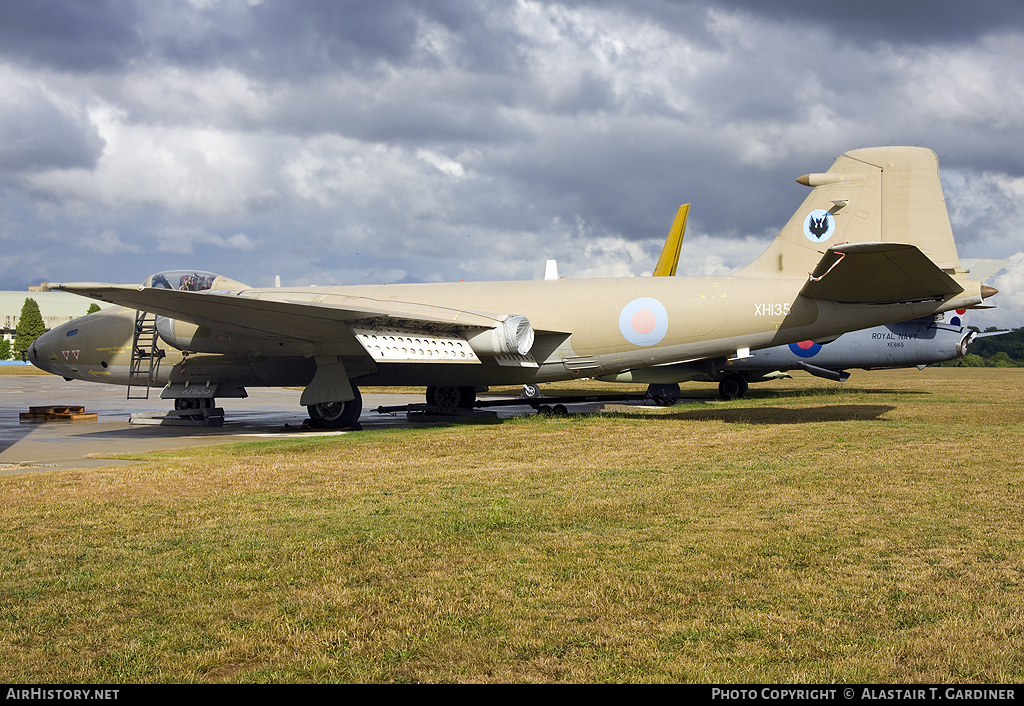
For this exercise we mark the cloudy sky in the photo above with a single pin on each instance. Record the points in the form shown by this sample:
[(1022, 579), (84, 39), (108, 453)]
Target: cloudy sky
[(351, 142)]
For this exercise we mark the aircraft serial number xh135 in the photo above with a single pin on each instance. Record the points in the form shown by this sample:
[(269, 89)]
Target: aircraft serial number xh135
[(870, 245)]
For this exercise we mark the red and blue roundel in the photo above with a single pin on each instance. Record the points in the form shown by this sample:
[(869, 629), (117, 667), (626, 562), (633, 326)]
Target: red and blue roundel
[(805, 349), (956, 320), (644, 321)]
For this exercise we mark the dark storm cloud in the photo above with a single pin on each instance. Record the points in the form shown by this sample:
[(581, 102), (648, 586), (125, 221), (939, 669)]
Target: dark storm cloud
[(866, 21), (408, 140), (282, 39), (274, 40), (36, 134), (70, 36), (899, 23)]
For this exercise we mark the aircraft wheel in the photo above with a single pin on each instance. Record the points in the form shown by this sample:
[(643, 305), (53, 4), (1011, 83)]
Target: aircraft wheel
[(663, 395), (531, 391), (184, 404), (336, 415), (732, 387), (450, 397)]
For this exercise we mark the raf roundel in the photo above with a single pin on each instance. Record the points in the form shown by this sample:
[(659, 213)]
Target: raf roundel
[(644, 321), (819, 225), (805, 349)]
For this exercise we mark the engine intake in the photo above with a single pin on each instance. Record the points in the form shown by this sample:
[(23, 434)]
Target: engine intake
[(512, 335)]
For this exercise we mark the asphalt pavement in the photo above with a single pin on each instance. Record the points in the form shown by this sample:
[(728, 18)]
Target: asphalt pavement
[(28, 446)]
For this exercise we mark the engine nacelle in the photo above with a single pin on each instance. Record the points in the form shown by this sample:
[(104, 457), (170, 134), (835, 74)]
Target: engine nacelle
[(513, 335), (968, 339), (187, 336)]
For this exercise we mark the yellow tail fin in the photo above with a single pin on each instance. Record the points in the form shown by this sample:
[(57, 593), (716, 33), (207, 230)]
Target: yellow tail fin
[(669, 259)]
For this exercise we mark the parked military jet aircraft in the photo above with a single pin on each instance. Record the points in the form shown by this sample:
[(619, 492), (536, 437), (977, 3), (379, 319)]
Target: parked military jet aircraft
[(871, 244)]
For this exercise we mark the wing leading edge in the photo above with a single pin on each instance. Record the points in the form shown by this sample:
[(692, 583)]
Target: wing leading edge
[(339, 323)]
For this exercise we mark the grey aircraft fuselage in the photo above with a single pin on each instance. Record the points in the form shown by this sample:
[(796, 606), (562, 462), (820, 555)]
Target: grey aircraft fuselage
[(915, 343)]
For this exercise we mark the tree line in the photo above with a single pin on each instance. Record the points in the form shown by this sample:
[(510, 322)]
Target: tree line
[(1003, 351), (30, 327)]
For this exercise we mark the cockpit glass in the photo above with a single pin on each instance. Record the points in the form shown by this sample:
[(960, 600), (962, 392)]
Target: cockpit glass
[(184, 280)]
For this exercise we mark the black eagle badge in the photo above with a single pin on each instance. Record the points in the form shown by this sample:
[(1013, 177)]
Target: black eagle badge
[(819, 226)]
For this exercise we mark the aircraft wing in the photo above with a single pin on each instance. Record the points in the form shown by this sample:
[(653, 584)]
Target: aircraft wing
[(283, 315), (877, 273)]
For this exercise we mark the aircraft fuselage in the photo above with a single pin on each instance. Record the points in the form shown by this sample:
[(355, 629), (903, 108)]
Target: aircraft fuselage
[(637, 323)]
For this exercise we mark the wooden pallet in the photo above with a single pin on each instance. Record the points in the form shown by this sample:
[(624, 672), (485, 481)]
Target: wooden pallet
[(58, 412)]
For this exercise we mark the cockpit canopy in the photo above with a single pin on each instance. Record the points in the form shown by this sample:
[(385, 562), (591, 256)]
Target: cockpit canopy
[(191, 281)]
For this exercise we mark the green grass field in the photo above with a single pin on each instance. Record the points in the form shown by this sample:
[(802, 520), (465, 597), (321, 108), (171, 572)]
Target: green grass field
[(812, 532)]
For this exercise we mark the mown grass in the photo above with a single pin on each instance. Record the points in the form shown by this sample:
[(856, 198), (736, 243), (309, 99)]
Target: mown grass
[(21, 370), (811, 532)]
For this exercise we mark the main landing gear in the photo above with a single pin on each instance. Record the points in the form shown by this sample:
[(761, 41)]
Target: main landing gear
[(336, 415), (663, 395), (732, 386), (451, 397), (197, 404)]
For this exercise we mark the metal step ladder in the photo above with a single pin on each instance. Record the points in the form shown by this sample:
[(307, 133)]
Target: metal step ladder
[(146, 356)]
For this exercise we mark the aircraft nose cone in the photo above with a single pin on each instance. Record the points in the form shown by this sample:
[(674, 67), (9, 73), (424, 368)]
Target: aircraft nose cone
[(42, 349), (987, 291)]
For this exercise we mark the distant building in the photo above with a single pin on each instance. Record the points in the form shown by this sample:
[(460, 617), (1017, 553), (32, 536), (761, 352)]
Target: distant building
[(56, 308)]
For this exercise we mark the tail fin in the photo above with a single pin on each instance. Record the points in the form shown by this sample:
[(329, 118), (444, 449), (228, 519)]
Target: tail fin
[(873, 195), (669, 259)]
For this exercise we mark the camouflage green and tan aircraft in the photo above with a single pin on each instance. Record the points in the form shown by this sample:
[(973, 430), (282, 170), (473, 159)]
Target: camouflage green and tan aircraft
[(871, 244)]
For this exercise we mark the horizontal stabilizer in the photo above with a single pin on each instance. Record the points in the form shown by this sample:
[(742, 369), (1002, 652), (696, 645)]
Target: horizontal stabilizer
[(981, 270), (877, 273)]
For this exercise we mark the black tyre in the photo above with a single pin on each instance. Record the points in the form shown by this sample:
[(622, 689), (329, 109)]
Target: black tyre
[(663, 395), (336, 415), (184, 404), (732, 387), (451, 397)]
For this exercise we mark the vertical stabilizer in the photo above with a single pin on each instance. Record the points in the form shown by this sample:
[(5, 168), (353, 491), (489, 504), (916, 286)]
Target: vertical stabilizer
[(669, 259), (878, 194)]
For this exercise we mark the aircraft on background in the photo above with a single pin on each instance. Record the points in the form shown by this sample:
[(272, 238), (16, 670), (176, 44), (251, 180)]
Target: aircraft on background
[(916, 343), (871, 244)]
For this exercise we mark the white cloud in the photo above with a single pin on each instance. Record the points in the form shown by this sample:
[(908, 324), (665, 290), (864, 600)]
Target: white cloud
[(1010, 300), (109, 241), (442, 163), (184, 239)]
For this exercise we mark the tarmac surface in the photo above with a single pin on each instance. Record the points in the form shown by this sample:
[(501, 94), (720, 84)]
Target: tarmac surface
[(28, 446)]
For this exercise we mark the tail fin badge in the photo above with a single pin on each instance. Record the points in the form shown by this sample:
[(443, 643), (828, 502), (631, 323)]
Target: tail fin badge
[(819, 225)]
